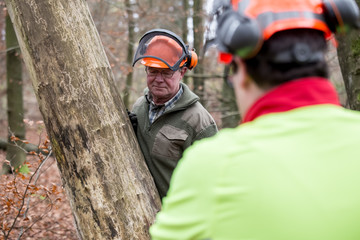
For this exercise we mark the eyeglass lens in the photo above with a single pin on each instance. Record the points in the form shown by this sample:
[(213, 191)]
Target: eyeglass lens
[(164, 73)]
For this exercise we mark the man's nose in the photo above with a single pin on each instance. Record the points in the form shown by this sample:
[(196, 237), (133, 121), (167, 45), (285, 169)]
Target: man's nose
[(159, 77)]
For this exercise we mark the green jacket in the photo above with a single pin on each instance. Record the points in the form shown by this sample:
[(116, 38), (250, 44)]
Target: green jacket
[(298, 178), (163, 142)]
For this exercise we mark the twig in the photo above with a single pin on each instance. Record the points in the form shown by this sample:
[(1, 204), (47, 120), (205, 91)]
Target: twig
[(39, 218), (36, 178), (23, 199)]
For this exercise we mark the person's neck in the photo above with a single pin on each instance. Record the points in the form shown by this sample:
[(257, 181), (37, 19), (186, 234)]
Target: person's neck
[(293, 94), (160, 101)]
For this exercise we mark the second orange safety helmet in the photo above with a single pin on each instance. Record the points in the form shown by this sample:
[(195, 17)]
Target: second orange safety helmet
[(165, 48), (160, 48)]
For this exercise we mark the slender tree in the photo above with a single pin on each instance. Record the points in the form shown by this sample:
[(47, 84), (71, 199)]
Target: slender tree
[(198, 30), (349, 60), (15, 107), (111, 193), (130, 52), (230, 113), (185, 28)]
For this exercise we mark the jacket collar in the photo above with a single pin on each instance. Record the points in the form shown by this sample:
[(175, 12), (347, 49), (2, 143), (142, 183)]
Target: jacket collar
[(294, 94), (187, 98)]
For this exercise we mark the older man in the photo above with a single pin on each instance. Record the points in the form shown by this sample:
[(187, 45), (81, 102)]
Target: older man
[(170, 116)]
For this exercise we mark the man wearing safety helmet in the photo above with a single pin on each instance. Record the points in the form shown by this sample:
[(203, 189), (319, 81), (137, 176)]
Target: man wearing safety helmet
[(170, 116), (291, 169)]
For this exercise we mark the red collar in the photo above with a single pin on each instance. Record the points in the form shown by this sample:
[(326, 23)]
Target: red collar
[(294, 94)]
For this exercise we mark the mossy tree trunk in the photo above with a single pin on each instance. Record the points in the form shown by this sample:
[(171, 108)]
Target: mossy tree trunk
[(15, 109), (111, 193), (349, 60)]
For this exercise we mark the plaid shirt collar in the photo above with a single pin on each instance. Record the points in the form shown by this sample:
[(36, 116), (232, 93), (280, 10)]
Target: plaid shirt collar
[(155, 111)]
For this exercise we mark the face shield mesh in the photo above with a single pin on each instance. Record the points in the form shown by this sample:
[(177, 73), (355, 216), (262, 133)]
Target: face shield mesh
[(160, 50)]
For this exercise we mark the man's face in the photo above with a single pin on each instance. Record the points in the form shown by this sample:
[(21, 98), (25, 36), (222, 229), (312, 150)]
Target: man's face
[(163, 83)]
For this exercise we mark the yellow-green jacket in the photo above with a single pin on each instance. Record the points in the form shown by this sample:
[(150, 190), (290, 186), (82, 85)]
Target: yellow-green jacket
[(298, 178)]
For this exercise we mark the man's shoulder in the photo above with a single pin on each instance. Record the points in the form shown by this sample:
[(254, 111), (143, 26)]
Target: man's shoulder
[(139, 102), (197, 115), (188, 96)]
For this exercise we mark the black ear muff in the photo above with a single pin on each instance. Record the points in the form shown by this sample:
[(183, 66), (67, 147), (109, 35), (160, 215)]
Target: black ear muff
[(192, 60), (340, 15), (238, 34)]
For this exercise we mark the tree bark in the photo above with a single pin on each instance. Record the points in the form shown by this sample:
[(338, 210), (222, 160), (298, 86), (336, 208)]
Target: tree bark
[(230, 114), (15, 108), (111, 193), (349, 60), (198, 30), (185, 29), (130, 52)]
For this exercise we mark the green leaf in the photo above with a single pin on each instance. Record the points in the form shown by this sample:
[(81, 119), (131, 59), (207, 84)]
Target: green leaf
[(24, 169)]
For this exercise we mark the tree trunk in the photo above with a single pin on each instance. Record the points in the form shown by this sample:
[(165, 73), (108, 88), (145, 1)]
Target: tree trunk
[(198, 30), (111, 193), (349, 60), (15, 107), (185, 29), (130, 52), (230, 114)]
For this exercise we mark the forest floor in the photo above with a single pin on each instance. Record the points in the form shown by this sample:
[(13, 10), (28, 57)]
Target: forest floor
[(53, 216), (58, 223)]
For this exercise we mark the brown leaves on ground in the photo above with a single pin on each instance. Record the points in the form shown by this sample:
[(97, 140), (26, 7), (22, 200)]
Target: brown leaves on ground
[(35, 199)]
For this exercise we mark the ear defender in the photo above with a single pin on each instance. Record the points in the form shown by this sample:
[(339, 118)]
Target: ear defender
[(340, 15), (238, 34), (192, 60)]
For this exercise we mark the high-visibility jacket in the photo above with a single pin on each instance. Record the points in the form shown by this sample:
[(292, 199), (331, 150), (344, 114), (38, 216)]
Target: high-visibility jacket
[(286, 175)]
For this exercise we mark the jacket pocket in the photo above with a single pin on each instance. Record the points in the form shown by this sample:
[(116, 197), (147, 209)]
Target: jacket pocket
[(169, 142)]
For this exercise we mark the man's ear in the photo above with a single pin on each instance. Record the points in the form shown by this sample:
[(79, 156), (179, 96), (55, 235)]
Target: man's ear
[(183, 71)]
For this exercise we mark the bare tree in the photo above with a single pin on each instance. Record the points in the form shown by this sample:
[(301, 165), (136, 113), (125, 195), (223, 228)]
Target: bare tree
[(111, 193), (230, 113), (349, 60), (185, 28), (15, 108), (198, 30), (130, 52)]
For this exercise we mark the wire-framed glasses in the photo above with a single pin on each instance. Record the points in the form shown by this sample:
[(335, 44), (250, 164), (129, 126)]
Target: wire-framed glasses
[(165, 73)]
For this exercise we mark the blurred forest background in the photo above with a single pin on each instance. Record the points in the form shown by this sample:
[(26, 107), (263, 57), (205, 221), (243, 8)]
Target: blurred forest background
[(120, 24)]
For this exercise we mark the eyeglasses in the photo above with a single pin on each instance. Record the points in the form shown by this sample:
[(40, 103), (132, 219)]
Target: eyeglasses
[(153, 72)]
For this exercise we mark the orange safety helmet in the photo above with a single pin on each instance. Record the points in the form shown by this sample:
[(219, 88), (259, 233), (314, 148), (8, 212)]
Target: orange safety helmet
[(160, 48), (243, 25)]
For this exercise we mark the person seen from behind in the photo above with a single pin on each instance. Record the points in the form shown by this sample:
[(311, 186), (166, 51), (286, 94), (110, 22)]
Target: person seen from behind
[(291, 169)]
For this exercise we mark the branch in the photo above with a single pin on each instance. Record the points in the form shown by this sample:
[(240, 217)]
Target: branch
[(27, 148), (24, 197)]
